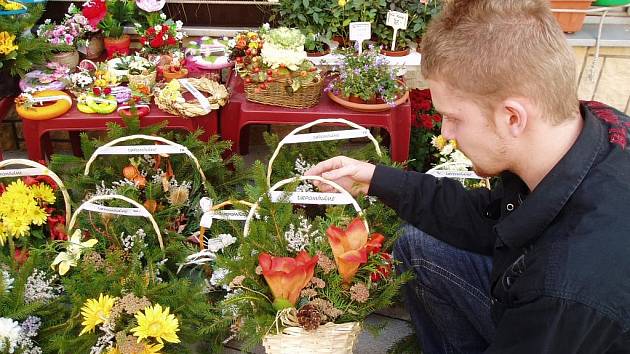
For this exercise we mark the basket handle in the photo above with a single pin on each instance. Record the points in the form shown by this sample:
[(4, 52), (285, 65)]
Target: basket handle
[(36, 169), (211, 212), (341, 198), (294, 138), (169, 148), (139, 210)]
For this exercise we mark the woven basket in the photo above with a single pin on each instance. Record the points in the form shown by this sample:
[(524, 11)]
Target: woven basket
[(279, 93), (140, 80), (327, 339)]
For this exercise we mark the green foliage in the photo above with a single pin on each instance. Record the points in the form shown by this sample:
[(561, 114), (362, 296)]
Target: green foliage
[(119, 13)]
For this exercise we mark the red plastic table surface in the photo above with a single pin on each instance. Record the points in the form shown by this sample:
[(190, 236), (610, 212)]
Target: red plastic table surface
[(36, 137), (5, 106), (239, 113)]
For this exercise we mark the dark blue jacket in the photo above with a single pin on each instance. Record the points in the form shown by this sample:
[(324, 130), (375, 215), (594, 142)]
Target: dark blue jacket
[(561, 254)]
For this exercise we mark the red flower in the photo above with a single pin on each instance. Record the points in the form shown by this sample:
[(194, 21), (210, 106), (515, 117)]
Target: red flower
[(436, 117), (375, 243), (424, 105), (157, 42), (171, 41), (384, 270), (426, 121), (57, 227), (287, 276), (143, 40), (107, 90), (2, 188), (94, 11), (20, 255), (151, 31), (29, 181), (96, 91), (349, 247)]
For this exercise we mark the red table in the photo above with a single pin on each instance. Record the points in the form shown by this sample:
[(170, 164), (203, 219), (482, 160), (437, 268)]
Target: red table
[(36, 137), (239, 113), (5, 106)]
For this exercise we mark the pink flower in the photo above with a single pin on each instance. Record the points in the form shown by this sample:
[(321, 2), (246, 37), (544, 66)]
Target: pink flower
[(151, 5)]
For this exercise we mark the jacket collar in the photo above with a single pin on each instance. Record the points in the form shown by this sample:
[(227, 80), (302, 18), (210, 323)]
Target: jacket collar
[(527, 222)]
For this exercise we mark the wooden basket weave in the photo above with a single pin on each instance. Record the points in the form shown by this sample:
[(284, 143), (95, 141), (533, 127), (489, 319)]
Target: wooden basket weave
[(326, 339), (279, 93)]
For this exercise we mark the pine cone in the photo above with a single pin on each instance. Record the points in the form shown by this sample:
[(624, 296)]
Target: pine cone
[(309, 317)]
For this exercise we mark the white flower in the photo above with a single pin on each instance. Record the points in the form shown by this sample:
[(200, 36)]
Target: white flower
[(40, 288), (7, 281), (136, 24), (232, 43), (163, 16), (179, 36), (220, 242), (266, 26), (179, 24), (275, 56), (301, 238), (74, 248), (157, 28), (10, 333)]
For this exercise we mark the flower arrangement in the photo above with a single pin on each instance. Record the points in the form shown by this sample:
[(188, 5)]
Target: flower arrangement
[(426, 123), (273, 55), (51, 76), (141, 67), (161, 35), (72, 32), (292, 270), (117, 13), (367, 77)]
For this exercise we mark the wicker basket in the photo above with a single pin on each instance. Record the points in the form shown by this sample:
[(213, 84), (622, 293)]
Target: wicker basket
[(140, 80), (327, 339), (279, 93)]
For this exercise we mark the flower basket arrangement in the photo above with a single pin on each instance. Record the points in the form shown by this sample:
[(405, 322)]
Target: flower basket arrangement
[(366, 80), (275, 70), (161, 35), (170, 97), (141, 73)]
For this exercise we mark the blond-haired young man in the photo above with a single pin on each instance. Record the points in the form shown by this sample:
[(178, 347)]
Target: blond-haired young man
[(541, 263)]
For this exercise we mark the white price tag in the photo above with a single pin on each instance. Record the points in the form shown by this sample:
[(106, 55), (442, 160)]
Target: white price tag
[(326, 136), (397, 19), (200, 97), (118, 211), (359, 32), (455, 174), (21, 172), (141, 150), (311, 198), (208, 217)]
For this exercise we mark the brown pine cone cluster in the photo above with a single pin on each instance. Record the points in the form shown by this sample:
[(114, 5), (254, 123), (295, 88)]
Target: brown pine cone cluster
[(309, 317)]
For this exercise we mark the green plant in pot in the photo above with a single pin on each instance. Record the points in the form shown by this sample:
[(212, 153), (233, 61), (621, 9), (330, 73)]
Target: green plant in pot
[(119, 12), (311, 16), (314, 45), (384, 37), (344, 12)]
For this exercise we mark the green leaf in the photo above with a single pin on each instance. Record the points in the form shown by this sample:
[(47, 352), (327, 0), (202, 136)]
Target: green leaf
[(305, 3)]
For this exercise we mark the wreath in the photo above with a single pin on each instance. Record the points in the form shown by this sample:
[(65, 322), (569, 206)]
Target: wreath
[(170, 98)]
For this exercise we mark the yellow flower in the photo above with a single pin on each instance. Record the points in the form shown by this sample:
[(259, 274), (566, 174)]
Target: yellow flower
[(6, 42), (157, 323), (453, 142), (96, 311), (43, 192), (152, 348), (253, 45), (341, 3), (74, 248), (113, 350), (439, 142), (19, 209)]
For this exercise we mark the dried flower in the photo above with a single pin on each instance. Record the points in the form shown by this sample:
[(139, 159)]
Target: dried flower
[(326, 308), (318, 283), (178, 195), (237, 281), (327, 264), (359, 293)]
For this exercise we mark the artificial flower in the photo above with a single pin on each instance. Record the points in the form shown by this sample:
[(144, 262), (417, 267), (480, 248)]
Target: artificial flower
[(151, 5), (95, 312), (349, 247), (157, 323), (6, 43), (287, 276), (74, 248), (94, 11), (10, 334)]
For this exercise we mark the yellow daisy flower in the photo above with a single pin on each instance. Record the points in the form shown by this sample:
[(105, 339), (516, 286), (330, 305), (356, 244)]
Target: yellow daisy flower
[(96, 312), (156, 323), (43, 192), (341, 3), (113, 350), (439, 142), (152, 348)]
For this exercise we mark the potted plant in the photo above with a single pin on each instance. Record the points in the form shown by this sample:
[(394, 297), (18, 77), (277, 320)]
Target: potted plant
[(118, 13), (19, 50), (384, 37), (365, 82), (570, 21), (159, 35), (315, 46)]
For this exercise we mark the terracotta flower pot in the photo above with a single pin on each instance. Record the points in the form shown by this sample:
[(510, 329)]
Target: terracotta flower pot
[(118, 46), (395, 53), (168, 76), (319, 54), (69, 59), (366, 107), (343, 41), (570, 21)]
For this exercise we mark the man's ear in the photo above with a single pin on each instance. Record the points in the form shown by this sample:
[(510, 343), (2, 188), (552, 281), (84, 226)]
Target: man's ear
[(514, 116)]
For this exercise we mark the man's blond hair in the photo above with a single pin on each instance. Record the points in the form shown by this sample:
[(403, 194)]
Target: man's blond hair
[(494, 49)]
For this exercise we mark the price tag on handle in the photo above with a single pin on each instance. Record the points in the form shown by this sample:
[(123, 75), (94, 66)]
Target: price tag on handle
[(359, 32), (396, 20)]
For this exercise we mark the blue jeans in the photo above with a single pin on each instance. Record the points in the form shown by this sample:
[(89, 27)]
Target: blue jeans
[(449, 298)]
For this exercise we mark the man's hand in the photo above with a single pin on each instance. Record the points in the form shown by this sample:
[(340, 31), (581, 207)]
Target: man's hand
[(353, 175)]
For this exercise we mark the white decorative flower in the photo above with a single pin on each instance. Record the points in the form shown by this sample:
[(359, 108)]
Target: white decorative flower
[(10, 333), (7, 281), (157, 28), (163, 16), (179, 24), (217, 277), (275, 56), (266, 26), (74, 248)]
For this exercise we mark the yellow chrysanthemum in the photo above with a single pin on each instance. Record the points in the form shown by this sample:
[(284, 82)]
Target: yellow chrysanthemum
[(454, 143), (439, 142), (43, 192), (157, 323), (152, 348), (96, 312), (18, 187), (341, 3), (113, 350)]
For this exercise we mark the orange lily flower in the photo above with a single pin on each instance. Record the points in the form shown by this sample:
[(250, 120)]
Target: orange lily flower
[(349, 247), (287, 276)]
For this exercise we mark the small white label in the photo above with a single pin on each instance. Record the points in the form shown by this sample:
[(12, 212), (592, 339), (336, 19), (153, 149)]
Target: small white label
[(455, 174), (208, 217), (326, 136), (118, 211), (311, 198), (21, 172), (397, 19), (200, 97), (360, 31), (52, 99), (141, 150)]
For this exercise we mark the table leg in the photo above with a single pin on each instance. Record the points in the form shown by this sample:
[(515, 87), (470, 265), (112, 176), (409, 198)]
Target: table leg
[(32, 140), (244, 140), (230, 125), (75, 142), (400, 131)]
